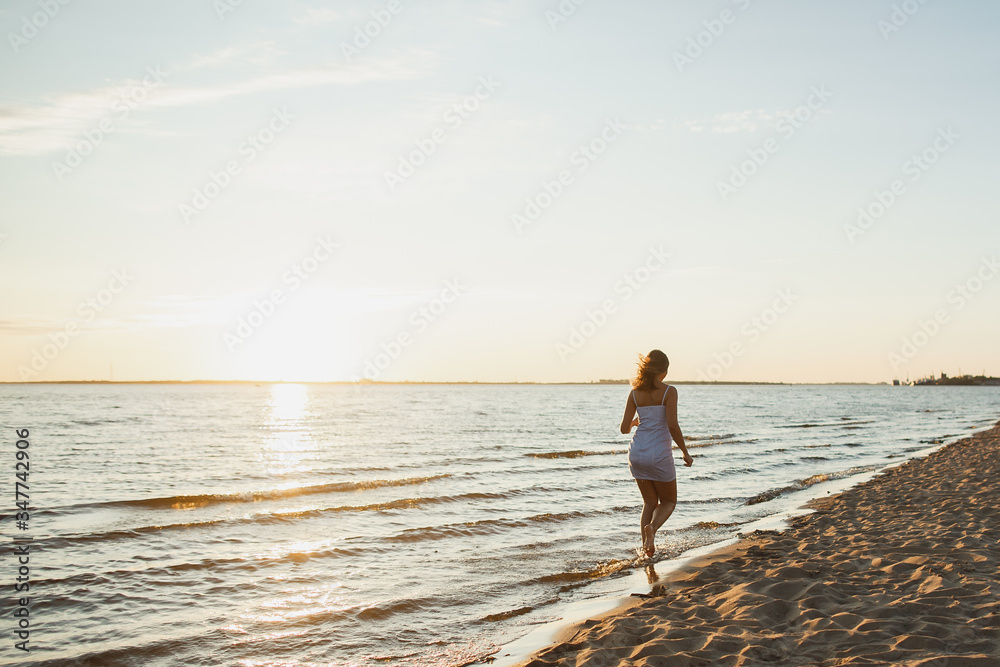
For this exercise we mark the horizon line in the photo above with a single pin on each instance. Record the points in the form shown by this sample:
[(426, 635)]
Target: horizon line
[(432, 382)]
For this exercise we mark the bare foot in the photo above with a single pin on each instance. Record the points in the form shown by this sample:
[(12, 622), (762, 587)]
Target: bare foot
[(647, 540)]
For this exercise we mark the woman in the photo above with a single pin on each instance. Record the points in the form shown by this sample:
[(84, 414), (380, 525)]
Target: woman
[(650, 457)]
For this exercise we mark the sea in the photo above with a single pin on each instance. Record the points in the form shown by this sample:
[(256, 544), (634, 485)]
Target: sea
[(416, 524)]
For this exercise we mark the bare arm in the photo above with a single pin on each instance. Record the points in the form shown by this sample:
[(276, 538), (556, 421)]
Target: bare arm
[(675, 428), (628, 420)]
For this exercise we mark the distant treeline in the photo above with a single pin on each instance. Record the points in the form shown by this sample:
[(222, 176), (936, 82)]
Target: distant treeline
[(961, 380)]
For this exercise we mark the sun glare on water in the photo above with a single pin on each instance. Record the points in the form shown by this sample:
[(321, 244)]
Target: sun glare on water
[(287, 442)]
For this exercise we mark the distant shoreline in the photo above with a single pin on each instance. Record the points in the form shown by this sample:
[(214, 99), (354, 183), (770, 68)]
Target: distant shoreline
[(379, 383)]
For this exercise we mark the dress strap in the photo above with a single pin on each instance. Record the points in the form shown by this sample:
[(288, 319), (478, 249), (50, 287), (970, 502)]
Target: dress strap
[(664, 396)]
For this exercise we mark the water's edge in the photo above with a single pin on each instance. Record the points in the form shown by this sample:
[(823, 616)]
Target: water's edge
[(610, 603)]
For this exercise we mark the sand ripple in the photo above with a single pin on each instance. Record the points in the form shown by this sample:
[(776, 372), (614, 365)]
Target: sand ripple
[(901, 570)]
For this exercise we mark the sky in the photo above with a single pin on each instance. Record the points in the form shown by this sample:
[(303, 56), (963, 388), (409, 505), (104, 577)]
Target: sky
[(507, 191)]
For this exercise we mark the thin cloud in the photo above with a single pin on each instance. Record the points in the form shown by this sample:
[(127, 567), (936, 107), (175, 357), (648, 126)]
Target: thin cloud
[(60, 120), (162, 311), (259, 54), (28, 326), (34, 326), (748, 120), (317, 16)]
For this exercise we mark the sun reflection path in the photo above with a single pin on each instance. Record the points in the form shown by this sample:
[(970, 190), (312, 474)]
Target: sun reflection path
[(288, 401), (287, 444)]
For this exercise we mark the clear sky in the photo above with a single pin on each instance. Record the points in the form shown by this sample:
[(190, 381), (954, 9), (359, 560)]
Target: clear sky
[(498, 190)]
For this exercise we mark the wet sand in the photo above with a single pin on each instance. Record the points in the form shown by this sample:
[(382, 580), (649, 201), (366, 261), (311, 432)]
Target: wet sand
[(900, 570)]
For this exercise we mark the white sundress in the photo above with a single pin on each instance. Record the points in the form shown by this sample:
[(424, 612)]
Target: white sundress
[(650, 452)]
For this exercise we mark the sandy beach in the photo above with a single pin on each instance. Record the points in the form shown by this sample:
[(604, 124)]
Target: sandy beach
[(900, 570)]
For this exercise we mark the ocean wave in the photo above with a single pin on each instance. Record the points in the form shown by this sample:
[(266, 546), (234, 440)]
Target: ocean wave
[(725, 436), (708, 525), (801, 484), (683, 501), (812, 425), (574, 454), (93, 422), (484, 527), (713, 443), (707, 501), (504, 615), (226, 645), (710, 441), (183, 647), (597, 571), (264, 518), (383, 610), (96, 580), (203, 500)]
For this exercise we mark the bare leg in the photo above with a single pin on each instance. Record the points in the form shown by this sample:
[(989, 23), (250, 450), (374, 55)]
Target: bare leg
[(666, 493), (650, 503)]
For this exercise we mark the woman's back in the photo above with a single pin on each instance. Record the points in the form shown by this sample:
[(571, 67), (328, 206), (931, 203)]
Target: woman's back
[(650, 397), (652, 407), (650, 454)]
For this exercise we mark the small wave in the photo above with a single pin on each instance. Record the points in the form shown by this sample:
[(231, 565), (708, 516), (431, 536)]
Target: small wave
[(736, 470), (180, 649), (725, 436), (215, 565), (484, 527), (196, 501), (574, 454), (707, 501), (684, 501), (599, 570), (264, 518), (383, 610), (813, 458), (504, 615), (811, 425), (801, 484), (708, 525), (372, 611), (94, 422), (713, 443)]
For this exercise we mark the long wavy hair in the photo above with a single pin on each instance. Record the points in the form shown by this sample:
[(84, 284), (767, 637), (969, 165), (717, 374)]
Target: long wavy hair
[(650, 366)]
